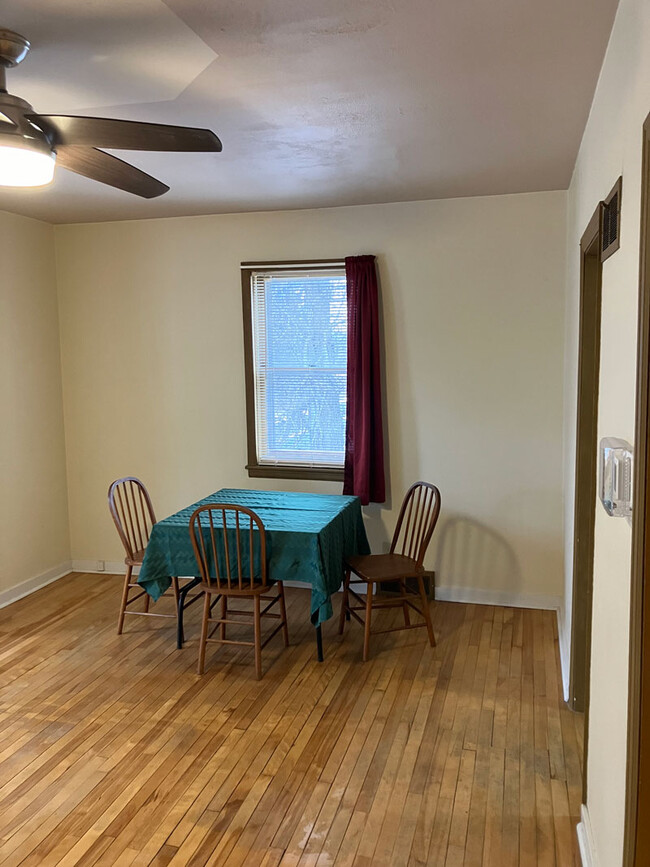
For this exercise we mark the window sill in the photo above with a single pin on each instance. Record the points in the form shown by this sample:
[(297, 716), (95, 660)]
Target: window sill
[(329, 474)]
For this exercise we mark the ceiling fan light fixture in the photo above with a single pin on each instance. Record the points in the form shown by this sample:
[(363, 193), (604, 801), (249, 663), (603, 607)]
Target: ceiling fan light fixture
[(30, 143), (22, 166)]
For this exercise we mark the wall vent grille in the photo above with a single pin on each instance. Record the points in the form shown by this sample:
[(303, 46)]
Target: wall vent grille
[(610, 222)]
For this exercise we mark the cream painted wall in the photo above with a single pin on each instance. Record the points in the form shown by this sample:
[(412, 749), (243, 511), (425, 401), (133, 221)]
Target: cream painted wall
[(473, 304), (611, 146), (34, 536)]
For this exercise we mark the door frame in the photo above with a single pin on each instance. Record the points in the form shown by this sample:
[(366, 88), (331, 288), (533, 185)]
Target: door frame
[(585, 472), (637, 806)]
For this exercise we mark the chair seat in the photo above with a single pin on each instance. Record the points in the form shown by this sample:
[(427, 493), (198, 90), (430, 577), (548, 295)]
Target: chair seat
[(384, 567), (255, 590), (136, 560)]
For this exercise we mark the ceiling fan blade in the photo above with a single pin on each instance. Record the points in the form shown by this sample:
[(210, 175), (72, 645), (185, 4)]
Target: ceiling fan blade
[(104, 132), (107, 169)]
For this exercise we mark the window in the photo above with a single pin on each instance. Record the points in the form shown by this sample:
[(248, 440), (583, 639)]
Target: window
[(295, 338)]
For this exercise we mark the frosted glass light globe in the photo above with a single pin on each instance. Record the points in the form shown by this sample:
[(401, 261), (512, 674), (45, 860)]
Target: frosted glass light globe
[(22, 167)]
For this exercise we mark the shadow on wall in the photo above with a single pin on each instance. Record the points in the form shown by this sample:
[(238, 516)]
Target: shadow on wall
[(378, 535), (471, 555)]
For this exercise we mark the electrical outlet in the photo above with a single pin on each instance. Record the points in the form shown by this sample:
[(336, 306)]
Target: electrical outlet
[(101, 565)]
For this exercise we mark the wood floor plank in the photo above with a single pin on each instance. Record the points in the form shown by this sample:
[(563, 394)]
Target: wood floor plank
[(115, 752), (474, 843)]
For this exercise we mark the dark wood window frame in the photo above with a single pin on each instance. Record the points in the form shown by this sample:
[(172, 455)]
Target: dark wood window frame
[(254, 468)]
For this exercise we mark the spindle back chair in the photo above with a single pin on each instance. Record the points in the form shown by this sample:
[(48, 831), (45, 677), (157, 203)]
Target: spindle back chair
[(416, 522), (132, 511), (418, 517), (130, 505), (230, 547)]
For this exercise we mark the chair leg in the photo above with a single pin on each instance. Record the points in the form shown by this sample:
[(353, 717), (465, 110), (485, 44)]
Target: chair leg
[(179, 613), (180, 635), (224, 614), (147, 600), (204, 633), (402, 588), (125, 599), (283, 612), (344, 601), (258, 637), (366, 631), (426, 612)]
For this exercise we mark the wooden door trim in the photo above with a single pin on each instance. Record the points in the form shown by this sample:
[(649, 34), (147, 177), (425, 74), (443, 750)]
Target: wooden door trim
[(638, 760), (586, 460), (585, 471)]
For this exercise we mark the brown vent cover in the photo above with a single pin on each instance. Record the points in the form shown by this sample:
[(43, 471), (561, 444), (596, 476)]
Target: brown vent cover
[(610, 222)]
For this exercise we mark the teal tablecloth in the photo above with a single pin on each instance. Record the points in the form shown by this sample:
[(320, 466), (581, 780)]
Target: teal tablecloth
[(308, 538)]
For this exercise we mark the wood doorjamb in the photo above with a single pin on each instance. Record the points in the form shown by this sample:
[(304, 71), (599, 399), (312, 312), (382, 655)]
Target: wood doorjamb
[(637, 806), (585, 471)]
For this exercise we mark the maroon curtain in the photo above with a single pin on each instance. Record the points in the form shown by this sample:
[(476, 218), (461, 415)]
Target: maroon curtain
[(364, 439)]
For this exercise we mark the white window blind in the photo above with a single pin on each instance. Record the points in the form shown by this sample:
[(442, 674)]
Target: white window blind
[(299, 327)]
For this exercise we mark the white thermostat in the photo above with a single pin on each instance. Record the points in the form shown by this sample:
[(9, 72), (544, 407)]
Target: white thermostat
[(616, 458)]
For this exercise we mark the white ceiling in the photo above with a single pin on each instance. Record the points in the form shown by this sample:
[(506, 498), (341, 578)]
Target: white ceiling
[(317, 102)]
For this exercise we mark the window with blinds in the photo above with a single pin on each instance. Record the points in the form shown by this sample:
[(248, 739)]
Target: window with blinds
[(298, 322)]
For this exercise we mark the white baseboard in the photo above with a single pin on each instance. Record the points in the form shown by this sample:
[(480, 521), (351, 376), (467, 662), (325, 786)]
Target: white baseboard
[(13, 594), (478, 596), (111, 567), (586, 840), (115, 567), (473, 595)]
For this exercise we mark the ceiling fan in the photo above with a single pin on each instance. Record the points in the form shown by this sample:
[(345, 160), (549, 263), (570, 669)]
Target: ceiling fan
[(32, 144)]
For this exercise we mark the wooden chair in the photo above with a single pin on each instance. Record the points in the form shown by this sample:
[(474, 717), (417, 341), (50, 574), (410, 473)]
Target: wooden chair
[(130, 505), (230, 547), (415, 525)]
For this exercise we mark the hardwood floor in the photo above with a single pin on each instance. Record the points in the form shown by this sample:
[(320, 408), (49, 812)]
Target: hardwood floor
[(114, 752)]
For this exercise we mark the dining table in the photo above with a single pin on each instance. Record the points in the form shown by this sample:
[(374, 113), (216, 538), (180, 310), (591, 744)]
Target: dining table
[(309, 536)]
